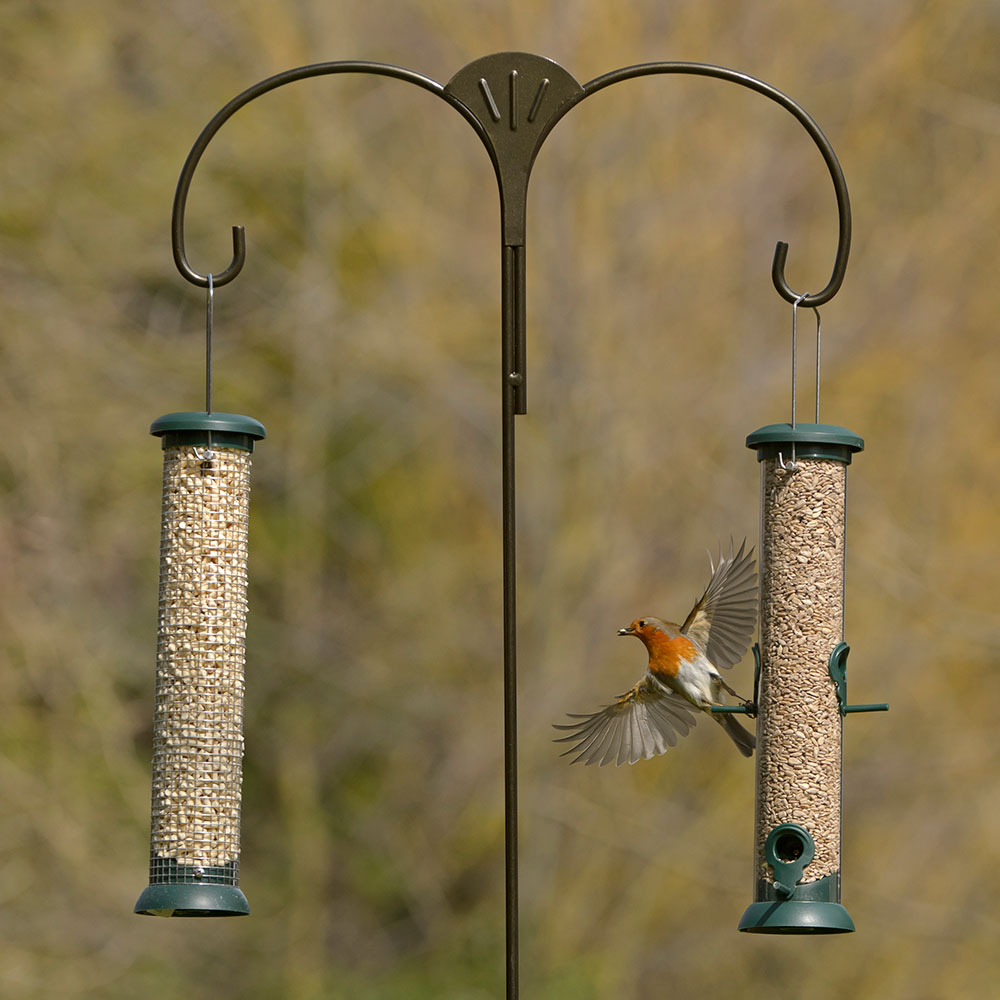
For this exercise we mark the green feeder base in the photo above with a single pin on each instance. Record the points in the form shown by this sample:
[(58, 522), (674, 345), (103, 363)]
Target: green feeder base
[(796, 916), (186, 900)]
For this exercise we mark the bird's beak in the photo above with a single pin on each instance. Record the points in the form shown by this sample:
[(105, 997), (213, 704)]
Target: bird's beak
[(626, 631)]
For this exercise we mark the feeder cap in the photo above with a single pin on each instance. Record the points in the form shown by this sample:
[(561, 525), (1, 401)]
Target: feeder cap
[(811, 441), (227, 430)]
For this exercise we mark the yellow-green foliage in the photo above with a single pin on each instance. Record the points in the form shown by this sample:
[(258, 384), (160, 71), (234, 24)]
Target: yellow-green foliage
[(364, 333)]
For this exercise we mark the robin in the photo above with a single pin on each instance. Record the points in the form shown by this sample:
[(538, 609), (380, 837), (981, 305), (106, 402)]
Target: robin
[(683, 671)]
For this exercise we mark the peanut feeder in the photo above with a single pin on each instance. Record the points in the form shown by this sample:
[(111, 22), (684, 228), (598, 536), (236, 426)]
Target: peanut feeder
[(198, 720)]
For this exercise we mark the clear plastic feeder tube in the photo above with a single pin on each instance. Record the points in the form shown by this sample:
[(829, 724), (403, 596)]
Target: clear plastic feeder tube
[(799, 723)]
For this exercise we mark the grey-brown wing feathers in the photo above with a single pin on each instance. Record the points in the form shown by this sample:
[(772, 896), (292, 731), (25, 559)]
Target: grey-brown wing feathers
[(723, 621), (642, 723)]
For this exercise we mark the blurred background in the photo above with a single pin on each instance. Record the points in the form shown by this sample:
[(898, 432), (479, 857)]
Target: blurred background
[(364, 333)]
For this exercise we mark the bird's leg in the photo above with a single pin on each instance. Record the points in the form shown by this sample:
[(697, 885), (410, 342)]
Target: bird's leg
[(729, 689), (747, 703)]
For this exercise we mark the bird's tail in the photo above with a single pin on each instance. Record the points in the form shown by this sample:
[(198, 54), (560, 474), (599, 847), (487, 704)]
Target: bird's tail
[(745, 740)]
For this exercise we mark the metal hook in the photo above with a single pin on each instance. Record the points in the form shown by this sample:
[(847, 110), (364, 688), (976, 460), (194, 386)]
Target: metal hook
[(843, 211), (223, 115), (795, 325), (807, 122), (792, 465), (209, 324), (819, 332)]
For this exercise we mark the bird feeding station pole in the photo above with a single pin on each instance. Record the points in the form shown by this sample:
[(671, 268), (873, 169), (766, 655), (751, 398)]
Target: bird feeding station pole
[(512, 100)]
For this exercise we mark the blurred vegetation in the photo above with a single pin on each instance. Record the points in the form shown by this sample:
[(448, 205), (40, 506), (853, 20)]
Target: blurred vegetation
[(363, 332)]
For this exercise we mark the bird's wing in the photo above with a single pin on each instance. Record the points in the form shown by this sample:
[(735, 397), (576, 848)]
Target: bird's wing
[(642, 723), (722, 622)]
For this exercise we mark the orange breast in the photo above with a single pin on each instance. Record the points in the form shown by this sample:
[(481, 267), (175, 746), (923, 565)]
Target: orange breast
[(665, 654)]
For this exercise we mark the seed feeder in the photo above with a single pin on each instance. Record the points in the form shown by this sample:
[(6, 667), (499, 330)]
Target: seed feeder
[(194, 854), (513, 101), (800, 692)]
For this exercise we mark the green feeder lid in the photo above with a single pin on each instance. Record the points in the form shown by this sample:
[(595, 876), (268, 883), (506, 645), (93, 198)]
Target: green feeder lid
[(227, 430), (189, 900), (810, 440)]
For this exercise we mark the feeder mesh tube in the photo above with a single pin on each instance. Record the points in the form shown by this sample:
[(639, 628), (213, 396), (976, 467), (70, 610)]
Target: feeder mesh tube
[(198, 722), (800, 728)]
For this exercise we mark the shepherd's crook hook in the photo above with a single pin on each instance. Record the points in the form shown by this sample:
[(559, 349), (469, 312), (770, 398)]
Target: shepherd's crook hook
[(208, 133), (616, 76), (807, 122)]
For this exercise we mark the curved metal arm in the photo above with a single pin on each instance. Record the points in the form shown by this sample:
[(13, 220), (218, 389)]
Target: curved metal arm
[(616, 76), (807, 122), (271, 83)]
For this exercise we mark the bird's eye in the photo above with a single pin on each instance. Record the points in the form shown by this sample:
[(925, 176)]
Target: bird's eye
[(642, 623)]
